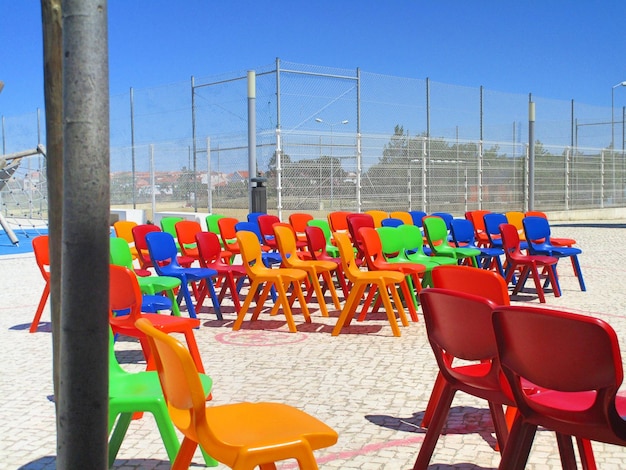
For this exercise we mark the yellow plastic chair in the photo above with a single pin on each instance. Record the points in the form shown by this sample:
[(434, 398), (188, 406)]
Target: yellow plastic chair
[(384, 281), (515, 219), (404, 216), (239, 435), (378, 217), (279, 278), (286, 239)]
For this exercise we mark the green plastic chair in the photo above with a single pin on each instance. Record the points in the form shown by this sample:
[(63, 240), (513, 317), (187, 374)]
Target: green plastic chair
[(437, 236), (131, 394), (412, 249), (120, 255), (331, 249), (212, 226), (168, 224)]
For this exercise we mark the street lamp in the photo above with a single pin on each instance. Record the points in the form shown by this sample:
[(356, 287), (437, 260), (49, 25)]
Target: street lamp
[(613, 132), (331, 126)]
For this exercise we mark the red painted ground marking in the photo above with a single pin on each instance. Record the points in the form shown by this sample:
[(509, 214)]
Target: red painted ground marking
[(259, 338)]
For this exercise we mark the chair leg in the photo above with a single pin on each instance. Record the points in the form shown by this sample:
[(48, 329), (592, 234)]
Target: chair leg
[(435, 396), (193, 350), (185, 454), (168, 434), (518, 446), (349, 308), (391, 316), (246, 304), (118, 434), (396, 299), (586, 454), (499, 424), (566, 451), (578, 272), (40, 307)]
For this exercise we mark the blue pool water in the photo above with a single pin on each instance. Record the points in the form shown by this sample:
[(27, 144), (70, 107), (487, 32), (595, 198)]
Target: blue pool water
[(25, 237)]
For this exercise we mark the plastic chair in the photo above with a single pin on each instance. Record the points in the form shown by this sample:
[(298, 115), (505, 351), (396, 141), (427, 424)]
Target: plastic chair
[(445, 216), (210, 255), (162, 251), (228, 234), (378, 216), (124, 229), (391, 222), (337, 221), (211, 222), (576, 361), (404, 216), (139, 235), (515, 219), (299, 221), (476, 217), (556, 241), (437, 236), (355, 222), (493, 220), (286, 240), (242, 435), (279, 278), (42, 257), (459, 327), (376, 261), (528, 264), (383, 281), (317, 245), (266, 222), (254, 216), (125, 295), (323, 225), (539, 243), (119, 254), (418, 217), (186, 231), (168, 225), (269, 257), (140, 392), (463, 234)]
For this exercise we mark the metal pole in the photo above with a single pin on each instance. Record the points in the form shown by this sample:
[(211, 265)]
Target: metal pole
[(531, 154), (152, 182), (425, 190), (208, 174), (132, 142), (84, 386), (359, 156), (193, 139), (251, 133)]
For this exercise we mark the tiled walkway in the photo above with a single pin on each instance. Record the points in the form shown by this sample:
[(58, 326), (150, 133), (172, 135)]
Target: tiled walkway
[(370, 386)]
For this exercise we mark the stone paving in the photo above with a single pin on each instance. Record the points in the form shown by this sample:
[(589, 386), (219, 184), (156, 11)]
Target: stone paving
[(368, 385)]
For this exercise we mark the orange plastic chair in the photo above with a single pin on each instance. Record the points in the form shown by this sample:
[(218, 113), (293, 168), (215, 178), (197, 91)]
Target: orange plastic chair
[(211, 256), (186, 235), (459, 327), (124, 229), (286, 240), (239, 435), (515, 219), (228, 234), (383, 281), (576, 361), (280, 278), (337, 220), (378, 217), (404, 216), (372, 246), (299, 221), (42, 257), (528, 264), (125, 296)]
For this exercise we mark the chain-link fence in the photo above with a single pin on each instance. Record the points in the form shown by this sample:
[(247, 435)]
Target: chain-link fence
[(336, 139)]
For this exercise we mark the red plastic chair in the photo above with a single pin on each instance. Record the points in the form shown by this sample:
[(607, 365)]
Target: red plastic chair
[(299, 221), (576, 361), (316, 241), (210, 255), (42, 257), (476, 217), (355, 222), (125, 296), (139, 235), (337, 220), (459, 327), (529, 264)]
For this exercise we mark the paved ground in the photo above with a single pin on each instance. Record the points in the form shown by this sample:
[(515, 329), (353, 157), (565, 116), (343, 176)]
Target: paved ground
[(370, 386)]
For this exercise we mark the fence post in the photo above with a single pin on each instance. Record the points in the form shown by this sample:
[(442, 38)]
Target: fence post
[(568, 154), (602, 166), (359, 161), (208, 177), (279, 175)]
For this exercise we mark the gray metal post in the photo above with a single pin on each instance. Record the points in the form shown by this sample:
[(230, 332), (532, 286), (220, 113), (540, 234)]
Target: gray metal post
[(132, 143), (251, 133), (531, 155), (208, 176), (83, 388)]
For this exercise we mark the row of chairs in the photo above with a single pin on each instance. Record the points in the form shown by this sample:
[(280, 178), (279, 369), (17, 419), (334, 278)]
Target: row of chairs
[(551, 368)]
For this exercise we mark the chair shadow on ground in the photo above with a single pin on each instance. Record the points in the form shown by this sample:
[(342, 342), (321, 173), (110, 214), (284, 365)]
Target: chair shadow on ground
[(461, 420), (43, 327), (50, 462)]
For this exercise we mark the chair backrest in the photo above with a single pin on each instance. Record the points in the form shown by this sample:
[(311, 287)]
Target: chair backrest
[(140, 232), (536, 214), (418, 217), (477, 218), (412, 238), (435, 230), (124, 229), (378, 216), (252, 227), (266, 222), (463, 233), (391, 222), (286, 240), (179, 379), (392, 243), (316, 241), (254, 216), (337, 221), (124, 295), (372, 247), (459, 326), (355, 222), (493, 220), (346, 252), (511, 242), (446, 216), (41, 249), (211, 222), (471, 280), (186, 231), (168, 224), (119, 252), (228, 233), (251, 253), (323, 225), (209, 248), (162, 249), (299, 221), (537, 230), (515, 218), (404, 216), (564, 352)]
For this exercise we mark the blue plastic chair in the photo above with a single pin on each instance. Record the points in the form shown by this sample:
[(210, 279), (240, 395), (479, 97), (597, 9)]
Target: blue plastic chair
[(493, 220), (391, 222), (269, 257), (462, 231), (537, 230), (417, 217), (163, 252)]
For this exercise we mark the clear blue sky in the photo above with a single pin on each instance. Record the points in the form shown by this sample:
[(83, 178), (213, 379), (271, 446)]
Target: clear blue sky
[(559, 49)]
